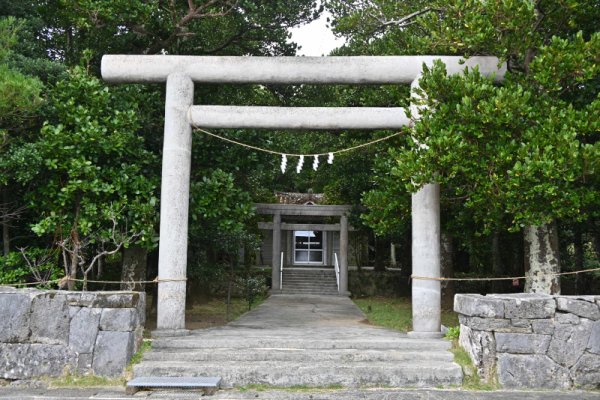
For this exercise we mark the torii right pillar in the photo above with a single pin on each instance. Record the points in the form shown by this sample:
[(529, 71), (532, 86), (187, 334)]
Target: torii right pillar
[(426, 256), (426, 262)]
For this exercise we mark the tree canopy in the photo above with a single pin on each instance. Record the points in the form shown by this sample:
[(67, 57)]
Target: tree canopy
[(80, 160)]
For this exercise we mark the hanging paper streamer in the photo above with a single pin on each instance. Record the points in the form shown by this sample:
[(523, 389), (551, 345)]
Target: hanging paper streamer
[(316, 163), (330, 159), (300, 164), (283, 163)]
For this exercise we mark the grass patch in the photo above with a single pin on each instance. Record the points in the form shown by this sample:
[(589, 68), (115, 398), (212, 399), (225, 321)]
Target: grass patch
[(471, 380), (137, 357), (69, 380), (396, 313)]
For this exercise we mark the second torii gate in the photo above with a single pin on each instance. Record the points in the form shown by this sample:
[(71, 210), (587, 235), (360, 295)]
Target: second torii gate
[(181, 72)]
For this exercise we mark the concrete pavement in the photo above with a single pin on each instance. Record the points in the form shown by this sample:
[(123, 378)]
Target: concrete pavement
[(302, 394)]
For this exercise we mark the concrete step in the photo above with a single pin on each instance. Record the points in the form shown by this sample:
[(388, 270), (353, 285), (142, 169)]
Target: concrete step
[(288, 285), (296, 355), (310, 278), (308, 273), (310, 284), (234, 373), (246, 342), (310, 292)]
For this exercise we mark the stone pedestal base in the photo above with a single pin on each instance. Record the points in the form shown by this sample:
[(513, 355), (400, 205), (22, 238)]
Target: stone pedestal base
[(425, 335), (161, 333)]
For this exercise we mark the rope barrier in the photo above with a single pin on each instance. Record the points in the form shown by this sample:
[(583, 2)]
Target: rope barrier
[(508, 278), (427, 278), (279, 153), (68, 279)]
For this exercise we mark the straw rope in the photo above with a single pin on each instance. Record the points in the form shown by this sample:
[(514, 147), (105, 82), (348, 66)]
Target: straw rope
[(279, 153)]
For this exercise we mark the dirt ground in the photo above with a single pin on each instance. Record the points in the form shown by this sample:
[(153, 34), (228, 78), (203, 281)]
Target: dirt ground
[(205, 314)]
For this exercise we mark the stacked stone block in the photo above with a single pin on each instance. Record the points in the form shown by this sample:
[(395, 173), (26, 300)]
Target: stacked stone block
[(46, 333), (532, 340)]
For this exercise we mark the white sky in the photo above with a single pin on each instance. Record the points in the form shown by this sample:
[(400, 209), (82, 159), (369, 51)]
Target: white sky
[(316, 38)]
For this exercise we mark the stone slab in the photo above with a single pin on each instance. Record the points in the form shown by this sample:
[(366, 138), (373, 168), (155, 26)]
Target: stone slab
[(484, 324), (566, 318), (531, 371), (122, 299), (593, 345), (141, 308), (50, 319), (586, 372), (84, 329), (84, 363), (481, 347), (475, 305), (543, 326), (522, 343), (119, 319), (14, 316), (582, 308), (113, 351), (569, 342), (23, 361), (528, 305)]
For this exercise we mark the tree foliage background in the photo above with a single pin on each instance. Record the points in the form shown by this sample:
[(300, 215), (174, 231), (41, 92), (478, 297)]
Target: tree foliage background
[(518, 162)]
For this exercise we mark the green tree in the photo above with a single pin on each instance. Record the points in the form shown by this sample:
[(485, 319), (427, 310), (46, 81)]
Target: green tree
[(88, 168), (20, 96), (521, 155)]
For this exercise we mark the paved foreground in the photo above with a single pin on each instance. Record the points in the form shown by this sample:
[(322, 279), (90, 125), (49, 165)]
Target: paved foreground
[(305, 340), (364, 394)]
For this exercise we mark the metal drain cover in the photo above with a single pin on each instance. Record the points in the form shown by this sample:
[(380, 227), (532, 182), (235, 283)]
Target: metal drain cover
[(209, 384)]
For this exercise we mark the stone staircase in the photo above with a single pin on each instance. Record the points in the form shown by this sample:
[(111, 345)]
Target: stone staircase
[(296, 358), (317, 281), (307, 340)]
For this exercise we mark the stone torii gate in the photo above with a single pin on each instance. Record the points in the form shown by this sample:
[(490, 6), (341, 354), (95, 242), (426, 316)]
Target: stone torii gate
[(181, 72)]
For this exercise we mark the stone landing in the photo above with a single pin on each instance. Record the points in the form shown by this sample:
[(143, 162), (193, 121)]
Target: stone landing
[(304, 340)]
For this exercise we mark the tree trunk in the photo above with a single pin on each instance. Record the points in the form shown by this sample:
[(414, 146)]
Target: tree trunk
[(5, 225), (541, 259), (581, 279), (73, 264), (447, 269), (497, 265), (380, 250), (229, 287), (76, 248), (595, 235), (100, 269), (134, 263), (393, 261)]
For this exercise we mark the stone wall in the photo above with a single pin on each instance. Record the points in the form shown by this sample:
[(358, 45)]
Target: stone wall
[(46, 333), (532, 340)]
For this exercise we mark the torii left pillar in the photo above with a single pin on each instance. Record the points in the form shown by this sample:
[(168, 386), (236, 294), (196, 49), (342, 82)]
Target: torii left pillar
[(174, 206)]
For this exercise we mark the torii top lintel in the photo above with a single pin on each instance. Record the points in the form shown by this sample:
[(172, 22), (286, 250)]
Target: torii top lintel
[(287, 70)]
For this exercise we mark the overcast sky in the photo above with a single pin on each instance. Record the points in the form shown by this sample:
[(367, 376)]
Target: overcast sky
[(316, 38)]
